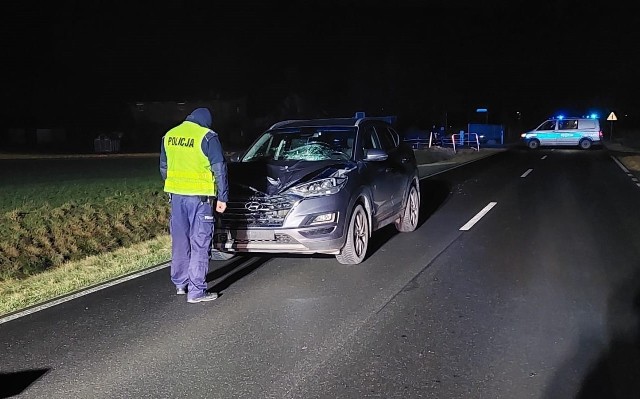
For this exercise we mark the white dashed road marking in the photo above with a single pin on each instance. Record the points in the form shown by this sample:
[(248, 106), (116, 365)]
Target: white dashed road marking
[(525, 174), (477, 217), (544, 157)]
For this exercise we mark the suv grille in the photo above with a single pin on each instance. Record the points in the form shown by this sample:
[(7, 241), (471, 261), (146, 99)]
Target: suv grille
[(268, 211)]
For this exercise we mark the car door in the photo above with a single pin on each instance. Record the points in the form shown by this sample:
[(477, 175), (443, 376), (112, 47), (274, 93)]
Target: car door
[(547, 133), (376, 173), (567, 133), (396, 166)]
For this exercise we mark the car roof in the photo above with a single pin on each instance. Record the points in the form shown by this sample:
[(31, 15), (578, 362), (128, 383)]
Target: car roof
[(345, 122), (569, 117)]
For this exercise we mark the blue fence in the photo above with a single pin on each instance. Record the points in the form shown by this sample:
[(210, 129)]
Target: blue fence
[(488, 135)]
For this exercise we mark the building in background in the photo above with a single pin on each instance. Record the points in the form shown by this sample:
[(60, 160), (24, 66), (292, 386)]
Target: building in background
[(151, 119), (138, 126)]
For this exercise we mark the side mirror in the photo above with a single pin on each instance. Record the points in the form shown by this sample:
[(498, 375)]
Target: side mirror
[(375, 154)]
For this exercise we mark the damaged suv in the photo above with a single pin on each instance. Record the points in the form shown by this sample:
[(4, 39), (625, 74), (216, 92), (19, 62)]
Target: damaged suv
[(319, 186)]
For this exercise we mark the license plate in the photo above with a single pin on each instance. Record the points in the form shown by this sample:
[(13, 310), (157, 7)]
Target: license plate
[(263, 235)]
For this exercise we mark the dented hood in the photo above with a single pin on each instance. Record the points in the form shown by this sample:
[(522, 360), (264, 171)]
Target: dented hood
[(275, 177)]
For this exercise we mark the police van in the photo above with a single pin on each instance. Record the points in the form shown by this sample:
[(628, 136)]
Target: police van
[(563, 131)]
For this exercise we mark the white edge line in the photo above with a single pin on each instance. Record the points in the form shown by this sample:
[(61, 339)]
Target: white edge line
[(620, 164), (88, 291), (525, 174), (478, 216), (453, 162)]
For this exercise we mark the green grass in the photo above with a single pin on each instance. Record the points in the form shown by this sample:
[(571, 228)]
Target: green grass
[(18, 294), (54, 211), (31, 183)]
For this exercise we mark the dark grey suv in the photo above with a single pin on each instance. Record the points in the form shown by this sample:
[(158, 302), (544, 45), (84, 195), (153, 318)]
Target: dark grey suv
[(319, 186)]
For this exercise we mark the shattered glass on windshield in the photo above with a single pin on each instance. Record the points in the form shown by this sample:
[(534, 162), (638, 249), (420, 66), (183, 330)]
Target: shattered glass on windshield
[(310, 152), (304, 144)]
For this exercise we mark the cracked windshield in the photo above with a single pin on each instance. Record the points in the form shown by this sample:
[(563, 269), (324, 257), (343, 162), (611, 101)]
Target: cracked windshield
[(306, 144)]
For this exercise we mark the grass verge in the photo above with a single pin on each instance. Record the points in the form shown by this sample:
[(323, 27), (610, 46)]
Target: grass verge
[(17, 294), (55, 211), (632, 162)]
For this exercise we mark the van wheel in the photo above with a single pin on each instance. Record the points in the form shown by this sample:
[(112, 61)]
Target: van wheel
[(355, 248), (585, 144), (533, 144)]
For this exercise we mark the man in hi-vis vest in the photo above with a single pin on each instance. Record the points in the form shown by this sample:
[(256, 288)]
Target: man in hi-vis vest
[(194, 170)]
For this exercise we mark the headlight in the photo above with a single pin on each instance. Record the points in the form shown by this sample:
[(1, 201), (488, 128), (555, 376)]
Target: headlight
[(315, 188), (523, 135)]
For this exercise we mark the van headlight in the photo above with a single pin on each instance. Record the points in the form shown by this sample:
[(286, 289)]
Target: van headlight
[(316, 188)]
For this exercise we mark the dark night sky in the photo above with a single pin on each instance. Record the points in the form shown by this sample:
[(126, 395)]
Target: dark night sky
[(402, 55)]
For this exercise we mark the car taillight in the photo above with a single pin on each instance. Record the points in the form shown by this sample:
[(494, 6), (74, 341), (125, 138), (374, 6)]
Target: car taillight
[(600, 134)]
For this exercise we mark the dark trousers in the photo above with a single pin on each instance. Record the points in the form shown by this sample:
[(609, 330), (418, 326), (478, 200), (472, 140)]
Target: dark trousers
[(191, 230)]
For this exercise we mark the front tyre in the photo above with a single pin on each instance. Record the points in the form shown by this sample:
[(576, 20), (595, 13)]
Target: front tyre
[(355, 247), (408, 221), (533, 144)]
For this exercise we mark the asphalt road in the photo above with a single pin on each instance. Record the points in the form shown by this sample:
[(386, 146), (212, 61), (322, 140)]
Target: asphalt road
[(538, 299)]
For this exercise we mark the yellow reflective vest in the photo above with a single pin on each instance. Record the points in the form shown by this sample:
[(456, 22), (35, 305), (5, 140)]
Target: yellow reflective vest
[(188, 168)]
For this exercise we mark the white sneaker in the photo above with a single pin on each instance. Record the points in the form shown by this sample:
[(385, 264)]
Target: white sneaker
[(181, 290), (204, 298)]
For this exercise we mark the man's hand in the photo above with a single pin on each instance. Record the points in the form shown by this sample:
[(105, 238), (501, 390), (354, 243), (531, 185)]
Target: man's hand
[(221, 206)]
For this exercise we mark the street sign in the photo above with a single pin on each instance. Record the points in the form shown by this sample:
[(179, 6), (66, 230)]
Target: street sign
[(485, 112), (612, 117)]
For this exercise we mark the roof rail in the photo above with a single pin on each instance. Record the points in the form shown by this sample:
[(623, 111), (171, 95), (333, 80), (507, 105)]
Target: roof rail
[(278, 124), (390, 119), (358, 116)]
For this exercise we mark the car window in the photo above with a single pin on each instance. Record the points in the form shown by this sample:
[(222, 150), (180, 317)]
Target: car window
[(395, 135), (587, 124), (547, 125), (370, 138), (386, 139), (568, 124)]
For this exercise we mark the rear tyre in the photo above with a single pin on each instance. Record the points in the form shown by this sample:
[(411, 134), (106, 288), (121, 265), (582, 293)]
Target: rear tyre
[(585, 144), (355, 248), (409, 219), (219, 255), (533, 144)]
